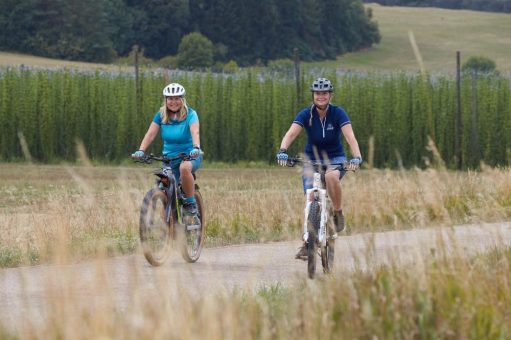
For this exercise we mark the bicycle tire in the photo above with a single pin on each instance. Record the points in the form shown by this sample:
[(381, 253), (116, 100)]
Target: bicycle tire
[(313, 222), (155, 232), (193, 240)]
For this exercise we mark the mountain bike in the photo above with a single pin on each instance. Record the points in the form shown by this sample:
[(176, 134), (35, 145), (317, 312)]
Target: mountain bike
[(318, 228), (163, 220)]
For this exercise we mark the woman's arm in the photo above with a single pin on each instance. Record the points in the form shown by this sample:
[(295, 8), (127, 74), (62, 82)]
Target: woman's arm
[(349, 135), (290, 136), (194, 131), (149, 136)]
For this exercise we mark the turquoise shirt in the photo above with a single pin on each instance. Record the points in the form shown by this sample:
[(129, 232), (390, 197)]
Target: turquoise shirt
[(176, 134)]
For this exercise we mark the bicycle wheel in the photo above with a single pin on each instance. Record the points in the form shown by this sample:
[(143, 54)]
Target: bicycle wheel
[(193, 239), (155, 232), (313, 222)]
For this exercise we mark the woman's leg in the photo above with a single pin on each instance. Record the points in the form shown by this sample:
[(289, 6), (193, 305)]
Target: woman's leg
[(333, 186), (187, 181)]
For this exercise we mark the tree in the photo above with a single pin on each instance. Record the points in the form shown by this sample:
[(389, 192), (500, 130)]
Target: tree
[(195, 51), (159, 25)]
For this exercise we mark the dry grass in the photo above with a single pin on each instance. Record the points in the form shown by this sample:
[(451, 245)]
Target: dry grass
[(95, 207), (443, 297), (47, 208)]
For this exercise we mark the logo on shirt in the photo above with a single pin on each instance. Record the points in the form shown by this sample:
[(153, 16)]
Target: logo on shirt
[(329, 127)]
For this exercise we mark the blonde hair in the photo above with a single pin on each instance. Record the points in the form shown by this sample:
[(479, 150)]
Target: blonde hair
[(165, 112)]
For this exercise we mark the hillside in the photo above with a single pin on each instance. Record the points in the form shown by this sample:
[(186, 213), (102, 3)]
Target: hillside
[(439, 33)]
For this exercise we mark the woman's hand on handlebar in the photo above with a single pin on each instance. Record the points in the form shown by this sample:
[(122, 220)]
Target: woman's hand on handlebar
[(282, 157), (138, 155), (354, 164)]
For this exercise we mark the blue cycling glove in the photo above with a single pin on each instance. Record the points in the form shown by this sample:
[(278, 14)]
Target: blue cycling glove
[(138, 154), (355, 163), (282, 157), (196, 151)]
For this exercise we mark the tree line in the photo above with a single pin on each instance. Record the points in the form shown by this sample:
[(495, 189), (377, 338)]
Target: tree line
[(399, 119), (476, 5), (246, 31)]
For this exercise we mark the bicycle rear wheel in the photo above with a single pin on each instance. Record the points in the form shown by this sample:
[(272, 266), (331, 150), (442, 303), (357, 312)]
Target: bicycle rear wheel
[(155, 232), (313, 223), (194, 234)]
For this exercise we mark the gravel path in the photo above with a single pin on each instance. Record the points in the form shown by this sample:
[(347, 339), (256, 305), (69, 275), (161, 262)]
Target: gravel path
[(28, 293)]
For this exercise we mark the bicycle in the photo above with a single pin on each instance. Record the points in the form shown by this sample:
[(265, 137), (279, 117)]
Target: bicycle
[(162, 219), (318, 229)]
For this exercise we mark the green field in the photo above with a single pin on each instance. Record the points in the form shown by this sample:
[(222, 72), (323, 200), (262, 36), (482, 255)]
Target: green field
[(439, 33)]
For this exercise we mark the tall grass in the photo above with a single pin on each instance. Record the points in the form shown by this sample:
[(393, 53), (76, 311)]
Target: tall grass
[(444, 296), (97, 207)]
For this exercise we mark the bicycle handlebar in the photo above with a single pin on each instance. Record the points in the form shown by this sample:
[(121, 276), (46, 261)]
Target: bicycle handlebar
[(292, 161), (148, 159)]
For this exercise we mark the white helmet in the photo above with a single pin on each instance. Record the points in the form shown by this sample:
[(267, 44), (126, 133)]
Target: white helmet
[(174, 90), (322, 84)]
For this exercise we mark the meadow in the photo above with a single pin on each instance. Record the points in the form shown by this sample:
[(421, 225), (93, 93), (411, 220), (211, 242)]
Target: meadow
[(68, 213), (95, 208), (439, 33)]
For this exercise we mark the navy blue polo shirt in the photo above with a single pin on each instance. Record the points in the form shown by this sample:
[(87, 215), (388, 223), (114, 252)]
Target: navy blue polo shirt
[(324, 136)]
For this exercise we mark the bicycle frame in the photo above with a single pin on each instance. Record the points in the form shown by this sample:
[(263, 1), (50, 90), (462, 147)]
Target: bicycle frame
[(174, 224), (170, 187), (316, 231), (316, 193), (168, 180)]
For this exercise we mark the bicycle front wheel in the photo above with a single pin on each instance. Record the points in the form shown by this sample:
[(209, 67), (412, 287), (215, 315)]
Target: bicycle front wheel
[(313, 223), (155, 232), (194, 234)]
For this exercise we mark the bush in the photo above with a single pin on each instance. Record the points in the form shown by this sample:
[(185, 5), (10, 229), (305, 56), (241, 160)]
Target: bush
[(195, 51), (479, 64), (231, 67)]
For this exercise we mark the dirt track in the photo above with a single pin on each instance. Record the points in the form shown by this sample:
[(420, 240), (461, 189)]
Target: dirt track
[(26, 293)]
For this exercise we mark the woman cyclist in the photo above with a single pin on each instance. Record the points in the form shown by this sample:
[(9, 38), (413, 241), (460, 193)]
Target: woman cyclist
[(179, 125), (324, 124)]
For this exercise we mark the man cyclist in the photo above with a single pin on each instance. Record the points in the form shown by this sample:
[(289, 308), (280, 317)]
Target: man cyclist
[(324, 123)]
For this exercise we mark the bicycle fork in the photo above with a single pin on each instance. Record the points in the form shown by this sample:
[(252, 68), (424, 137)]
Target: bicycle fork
[(317, 193)]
